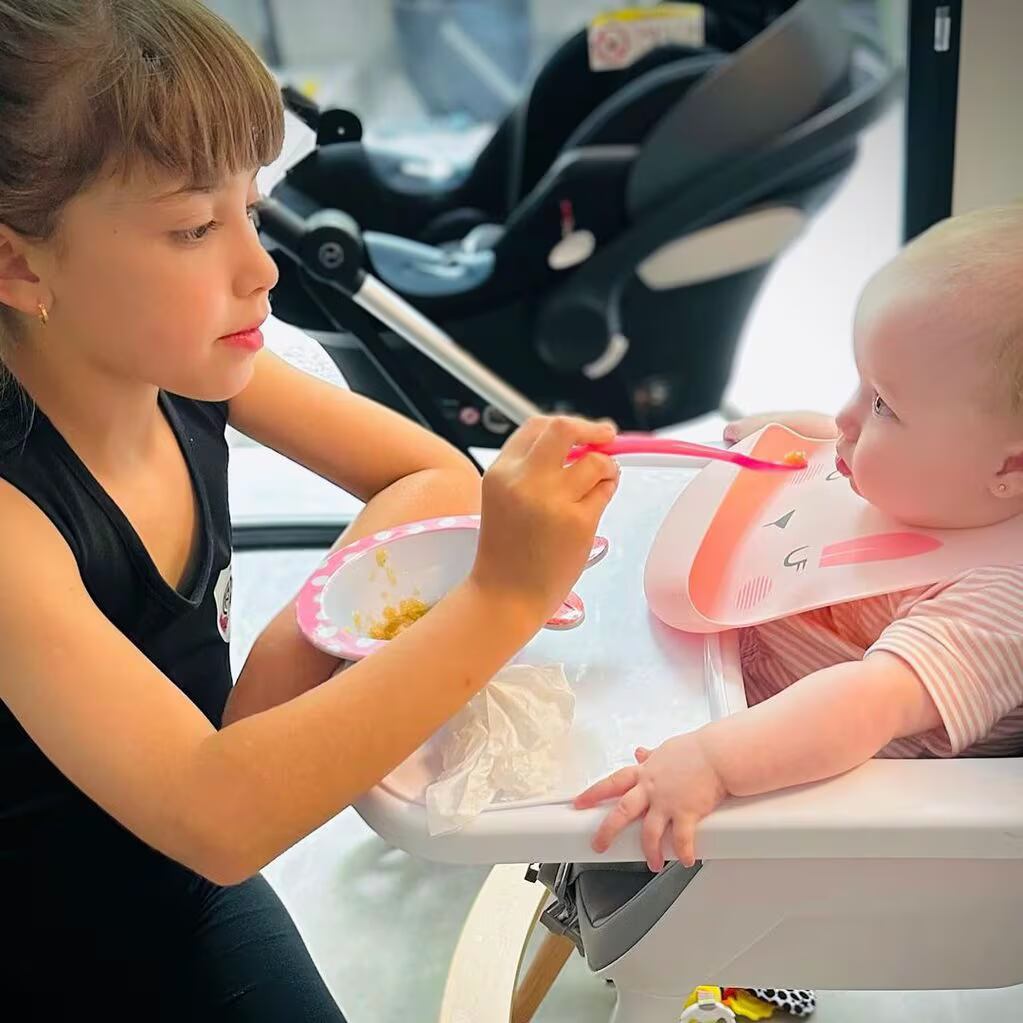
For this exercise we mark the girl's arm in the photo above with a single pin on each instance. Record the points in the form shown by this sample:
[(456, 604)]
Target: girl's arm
[(356, 443), (402, 471), (282, 663), (227, 802)]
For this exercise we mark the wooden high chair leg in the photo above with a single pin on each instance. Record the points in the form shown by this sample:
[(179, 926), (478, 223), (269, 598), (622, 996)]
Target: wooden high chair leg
[(542, 973), (483, 981)]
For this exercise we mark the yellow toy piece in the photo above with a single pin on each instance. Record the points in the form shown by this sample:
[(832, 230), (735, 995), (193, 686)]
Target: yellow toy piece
[(705, 991), (748, 1006), (704, 1005)]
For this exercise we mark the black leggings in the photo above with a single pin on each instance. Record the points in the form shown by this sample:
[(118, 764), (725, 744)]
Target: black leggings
[(229, 955)]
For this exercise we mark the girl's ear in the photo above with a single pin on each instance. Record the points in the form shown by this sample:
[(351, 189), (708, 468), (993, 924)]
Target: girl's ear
[(20, 288)]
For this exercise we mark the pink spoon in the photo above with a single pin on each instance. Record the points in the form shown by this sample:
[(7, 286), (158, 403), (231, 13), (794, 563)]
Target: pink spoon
[(638, 444)]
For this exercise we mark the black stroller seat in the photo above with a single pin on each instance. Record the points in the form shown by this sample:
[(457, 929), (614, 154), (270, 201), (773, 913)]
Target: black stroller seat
[(603, 253)]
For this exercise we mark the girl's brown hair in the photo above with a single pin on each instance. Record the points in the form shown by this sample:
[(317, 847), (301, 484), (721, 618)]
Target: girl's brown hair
[(106, 87)]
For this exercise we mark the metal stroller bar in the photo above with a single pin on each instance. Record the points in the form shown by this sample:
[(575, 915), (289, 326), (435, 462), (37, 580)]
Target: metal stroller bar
[(329, 246)]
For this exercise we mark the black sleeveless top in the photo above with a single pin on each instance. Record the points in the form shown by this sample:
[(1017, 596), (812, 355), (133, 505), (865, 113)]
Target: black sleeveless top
[(49, 830)]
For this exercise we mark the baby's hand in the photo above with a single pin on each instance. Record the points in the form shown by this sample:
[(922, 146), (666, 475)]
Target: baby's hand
[(675, 786), (809, 424)]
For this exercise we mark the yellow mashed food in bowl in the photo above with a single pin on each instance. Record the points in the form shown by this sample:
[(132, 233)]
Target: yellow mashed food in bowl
[(395, 619)]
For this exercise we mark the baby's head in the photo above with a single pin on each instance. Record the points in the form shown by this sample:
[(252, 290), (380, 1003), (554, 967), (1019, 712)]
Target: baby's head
[(129, 141), (934, 433)]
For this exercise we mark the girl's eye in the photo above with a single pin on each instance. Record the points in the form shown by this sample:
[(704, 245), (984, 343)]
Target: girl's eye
[(881, 409), (196, 234)]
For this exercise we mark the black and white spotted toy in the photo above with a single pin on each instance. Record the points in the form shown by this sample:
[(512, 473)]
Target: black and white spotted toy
[(795, 1001)]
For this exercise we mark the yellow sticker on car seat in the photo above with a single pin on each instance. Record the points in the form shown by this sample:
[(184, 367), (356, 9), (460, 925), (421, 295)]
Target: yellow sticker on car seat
[(618, 39)]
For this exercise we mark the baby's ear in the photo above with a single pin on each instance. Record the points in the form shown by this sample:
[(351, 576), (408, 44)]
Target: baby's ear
[(1008, 481)]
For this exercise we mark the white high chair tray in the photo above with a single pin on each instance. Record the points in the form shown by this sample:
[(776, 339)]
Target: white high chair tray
[(635, 682)]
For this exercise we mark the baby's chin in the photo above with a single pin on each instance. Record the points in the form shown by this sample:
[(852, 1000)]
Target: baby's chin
[(944, 518), (901, 511)]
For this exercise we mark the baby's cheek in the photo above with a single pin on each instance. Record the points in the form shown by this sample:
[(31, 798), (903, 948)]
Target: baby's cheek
[(880, 472)]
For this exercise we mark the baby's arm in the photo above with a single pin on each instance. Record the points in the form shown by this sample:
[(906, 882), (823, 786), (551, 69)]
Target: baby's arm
[(823, 725), (810, 424)]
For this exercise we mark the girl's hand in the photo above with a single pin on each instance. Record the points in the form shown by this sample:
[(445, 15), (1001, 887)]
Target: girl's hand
[(675, 786), (810, 424), (540, 516)]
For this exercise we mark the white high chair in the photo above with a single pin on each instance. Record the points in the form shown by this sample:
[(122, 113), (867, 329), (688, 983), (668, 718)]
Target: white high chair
[(898, 875)]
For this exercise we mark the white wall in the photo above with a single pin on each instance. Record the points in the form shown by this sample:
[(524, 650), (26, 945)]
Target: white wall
[(989, 131)]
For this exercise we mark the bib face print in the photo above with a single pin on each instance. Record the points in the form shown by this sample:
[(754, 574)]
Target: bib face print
[(741, 548)]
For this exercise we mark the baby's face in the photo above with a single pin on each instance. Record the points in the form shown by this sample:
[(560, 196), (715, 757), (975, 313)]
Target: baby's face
[(925, 437)]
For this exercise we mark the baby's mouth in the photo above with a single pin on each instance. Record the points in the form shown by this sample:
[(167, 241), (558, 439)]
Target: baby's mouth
[(842, 466)]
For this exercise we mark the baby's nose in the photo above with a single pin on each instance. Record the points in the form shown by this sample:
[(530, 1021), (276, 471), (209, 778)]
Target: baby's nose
[(847, 423)]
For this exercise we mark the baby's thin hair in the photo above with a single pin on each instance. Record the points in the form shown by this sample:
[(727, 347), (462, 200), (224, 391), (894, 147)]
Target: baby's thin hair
[(92, 88), (979, 256)]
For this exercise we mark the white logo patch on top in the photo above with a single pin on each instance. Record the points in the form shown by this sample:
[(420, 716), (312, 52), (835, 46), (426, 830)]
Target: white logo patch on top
[(222, 598)]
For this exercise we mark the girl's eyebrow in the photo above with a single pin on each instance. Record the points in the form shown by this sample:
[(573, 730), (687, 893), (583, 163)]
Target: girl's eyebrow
[(190, 190)]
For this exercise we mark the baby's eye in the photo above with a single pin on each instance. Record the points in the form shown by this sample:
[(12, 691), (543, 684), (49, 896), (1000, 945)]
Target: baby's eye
[(881, 409), (253, 213)]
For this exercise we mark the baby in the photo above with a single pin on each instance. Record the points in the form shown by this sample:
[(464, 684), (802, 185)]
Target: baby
[(934, 437)]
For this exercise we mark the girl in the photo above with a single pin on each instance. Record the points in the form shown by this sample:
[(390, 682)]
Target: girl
[(139, 794)]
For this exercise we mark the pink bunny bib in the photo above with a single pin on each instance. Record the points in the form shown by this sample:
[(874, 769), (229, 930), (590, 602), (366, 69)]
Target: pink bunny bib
[(740, 548)]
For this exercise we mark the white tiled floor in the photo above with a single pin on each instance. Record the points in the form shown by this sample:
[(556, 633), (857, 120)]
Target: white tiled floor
[(381, 925)]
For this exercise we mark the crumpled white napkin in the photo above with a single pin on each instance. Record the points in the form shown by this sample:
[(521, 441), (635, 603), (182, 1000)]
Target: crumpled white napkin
[(506, 744)]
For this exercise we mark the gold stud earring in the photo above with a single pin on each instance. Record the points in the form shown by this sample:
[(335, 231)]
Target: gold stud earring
[(1002, 488), (44, 316)]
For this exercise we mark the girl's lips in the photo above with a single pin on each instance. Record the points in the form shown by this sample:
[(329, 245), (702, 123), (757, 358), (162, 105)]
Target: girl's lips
[(251, 340)]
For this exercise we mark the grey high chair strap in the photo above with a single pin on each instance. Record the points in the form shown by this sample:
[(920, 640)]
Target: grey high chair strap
[(606, 908), (804, 55)]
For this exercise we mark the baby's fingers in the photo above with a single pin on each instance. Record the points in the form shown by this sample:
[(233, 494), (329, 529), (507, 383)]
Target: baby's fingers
[(740, 429), (654, 826), (615, 785), (630, 807), (684, 839)]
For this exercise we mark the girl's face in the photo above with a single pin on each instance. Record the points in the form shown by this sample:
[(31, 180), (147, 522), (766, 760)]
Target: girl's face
[(148, 282)]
